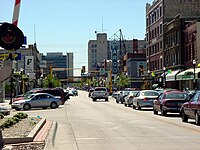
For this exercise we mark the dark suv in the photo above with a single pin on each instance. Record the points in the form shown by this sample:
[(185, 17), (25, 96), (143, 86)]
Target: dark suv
[(53, 91)]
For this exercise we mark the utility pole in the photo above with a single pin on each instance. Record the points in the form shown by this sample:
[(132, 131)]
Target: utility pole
[(110, 81)]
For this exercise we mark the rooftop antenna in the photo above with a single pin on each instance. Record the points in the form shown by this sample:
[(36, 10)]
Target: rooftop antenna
[(102, 24), (34, 35)]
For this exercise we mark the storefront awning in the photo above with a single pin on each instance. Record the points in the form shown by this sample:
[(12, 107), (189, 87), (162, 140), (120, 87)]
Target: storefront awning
[(172, 76), (188, 74)]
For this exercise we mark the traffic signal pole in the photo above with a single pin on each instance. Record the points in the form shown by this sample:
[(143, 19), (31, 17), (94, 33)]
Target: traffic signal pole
[(110, 81)]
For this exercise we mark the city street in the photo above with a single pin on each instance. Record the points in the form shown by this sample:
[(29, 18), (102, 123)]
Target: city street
[(87, 125)]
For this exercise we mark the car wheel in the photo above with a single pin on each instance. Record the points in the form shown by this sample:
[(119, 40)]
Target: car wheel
[(117, 101), (163, 112), (184, 117), (197, 119), (125, 104), (155, 111), (53, 105), (27, 106), (93, 99), (138, 107), (106, 99)]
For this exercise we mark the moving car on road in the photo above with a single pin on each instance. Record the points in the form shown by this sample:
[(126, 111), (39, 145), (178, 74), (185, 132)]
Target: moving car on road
[(169, 101), (144, 98), (191, 108), (100, 93), (36, 100)]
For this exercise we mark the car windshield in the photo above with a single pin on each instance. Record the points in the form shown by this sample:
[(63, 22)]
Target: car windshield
[(150, 93), (175, 96), (29, 96)]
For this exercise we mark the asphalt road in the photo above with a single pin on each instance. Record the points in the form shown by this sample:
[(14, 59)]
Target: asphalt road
[(87, 125)]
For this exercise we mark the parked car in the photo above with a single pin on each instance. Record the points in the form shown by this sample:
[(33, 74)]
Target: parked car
[(100, 93), (169, 101), (90, 92), (191, 108), (128, 100), (35, 100), (53, 91), (144, 98), (121, 96), (4, 110), (72, 92)]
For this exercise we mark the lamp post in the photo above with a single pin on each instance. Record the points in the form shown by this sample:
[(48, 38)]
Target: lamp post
[(194, 65), (148, 73), (22, 80), (164, 77)]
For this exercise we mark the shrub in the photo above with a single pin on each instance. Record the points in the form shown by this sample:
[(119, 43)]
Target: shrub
[(15, 119), (21, 115)]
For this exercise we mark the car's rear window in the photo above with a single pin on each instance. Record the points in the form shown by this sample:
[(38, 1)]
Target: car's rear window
[(175, 96), (101, 89), (150, 93)]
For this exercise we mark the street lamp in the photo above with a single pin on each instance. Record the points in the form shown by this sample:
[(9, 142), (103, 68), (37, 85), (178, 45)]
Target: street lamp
[(194, 65), (164, 77), (148, 72)]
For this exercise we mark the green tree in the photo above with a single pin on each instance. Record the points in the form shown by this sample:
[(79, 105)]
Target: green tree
[(122, 81), (51, 82)]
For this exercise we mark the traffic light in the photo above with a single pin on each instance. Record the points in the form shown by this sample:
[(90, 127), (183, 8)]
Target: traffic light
[(11, 37)]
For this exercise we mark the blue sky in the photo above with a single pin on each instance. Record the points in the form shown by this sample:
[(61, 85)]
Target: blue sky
[(68, 25)]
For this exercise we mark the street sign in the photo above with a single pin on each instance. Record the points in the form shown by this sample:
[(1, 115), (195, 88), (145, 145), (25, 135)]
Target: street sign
[(16, 56)]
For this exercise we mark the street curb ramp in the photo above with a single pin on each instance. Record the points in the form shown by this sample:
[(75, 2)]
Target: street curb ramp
[(51, 137)]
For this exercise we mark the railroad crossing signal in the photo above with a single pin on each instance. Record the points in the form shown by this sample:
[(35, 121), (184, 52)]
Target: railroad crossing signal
[(11, 37)]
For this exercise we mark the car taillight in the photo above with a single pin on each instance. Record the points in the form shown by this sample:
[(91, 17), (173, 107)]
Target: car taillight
[(145, 99)]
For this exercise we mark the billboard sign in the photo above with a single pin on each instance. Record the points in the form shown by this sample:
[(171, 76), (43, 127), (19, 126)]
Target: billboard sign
[(29, 64)]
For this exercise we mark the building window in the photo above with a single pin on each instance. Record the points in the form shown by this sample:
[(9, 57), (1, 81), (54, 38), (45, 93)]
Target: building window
[(161, 11), (161, 28)]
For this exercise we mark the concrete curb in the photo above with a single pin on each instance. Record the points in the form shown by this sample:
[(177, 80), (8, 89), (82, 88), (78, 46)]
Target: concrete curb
[(49, 143), (29, 138)]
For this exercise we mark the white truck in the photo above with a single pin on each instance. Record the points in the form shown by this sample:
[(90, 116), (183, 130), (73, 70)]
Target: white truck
[(100, 93)]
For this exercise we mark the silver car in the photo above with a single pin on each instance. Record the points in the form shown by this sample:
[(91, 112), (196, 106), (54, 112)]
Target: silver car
[(36, 100), (144, 98), (128, 100)]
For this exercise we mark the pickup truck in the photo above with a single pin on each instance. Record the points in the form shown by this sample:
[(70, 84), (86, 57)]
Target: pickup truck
[(99, 93)]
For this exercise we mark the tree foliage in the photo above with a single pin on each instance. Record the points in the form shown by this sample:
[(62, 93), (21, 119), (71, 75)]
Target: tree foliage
[(122, 81), (51, 82)]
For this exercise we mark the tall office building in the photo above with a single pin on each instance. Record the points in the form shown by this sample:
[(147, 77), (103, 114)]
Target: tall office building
[(58, 60), (97, 51)]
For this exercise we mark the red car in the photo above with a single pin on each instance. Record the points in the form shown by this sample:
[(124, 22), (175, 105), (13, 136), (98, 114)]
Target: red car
[(169, 101), (191, 108)]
